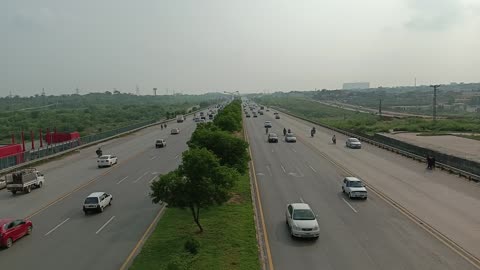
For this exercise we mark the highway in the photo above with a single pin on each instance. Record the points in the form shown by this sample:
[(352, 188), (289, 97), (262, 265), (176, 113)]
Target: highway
[(358, 234), (63, 237)]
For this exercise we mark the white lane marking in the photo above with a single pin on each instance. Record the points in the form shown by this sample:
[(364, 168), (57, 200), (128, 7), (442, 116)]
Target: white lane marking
[(283, 168), (300, 174), (106, 223), (138, 179), (56, 227), (272, 150), (293, 149), (269, 170), (312, 168), (301, 200), (151, 180), (176, 156), (350, 205), (154, 157), (122, 180)]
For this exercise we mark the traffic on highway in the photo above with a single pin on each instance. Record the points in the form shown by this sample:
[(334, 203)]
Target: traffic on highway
[(85, 211), (325, 205), (339, 228)]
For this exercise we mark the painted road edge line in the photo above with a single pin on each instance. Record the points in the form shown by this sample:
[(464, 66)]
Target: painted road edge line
[(140, 242), (106, 223), (259, 200), (56, 227)]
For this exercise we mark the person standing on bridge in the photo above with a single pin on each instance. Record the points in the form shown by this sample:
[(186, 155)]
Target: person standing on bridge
[(284, 131)]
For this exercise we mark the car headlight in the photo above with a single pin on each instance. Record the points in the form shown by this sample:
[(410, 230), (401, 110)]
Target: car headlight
[(295, 227), (315, 228)]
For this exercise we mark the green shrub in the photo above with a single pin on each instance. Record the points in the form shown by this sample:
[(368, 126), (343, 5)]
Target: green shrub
[(192, 245)]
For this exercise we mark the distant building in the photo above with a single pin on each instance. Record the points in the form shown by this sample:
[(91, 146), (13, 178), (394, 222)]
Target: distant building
[(356, 85)]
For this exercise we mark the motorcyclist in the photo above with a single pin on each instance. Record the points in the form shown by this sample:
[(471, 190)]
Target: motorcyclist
[(289, 131), (161, 126), (284, 131), (99, 151), (312, 132), (334, 139)]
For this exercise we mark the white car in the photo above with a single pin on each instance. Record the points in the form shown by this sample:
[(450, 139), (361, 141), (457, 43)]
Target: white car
[(3, 183), (97, 201), (106, 161), (175, 131), (290, 137), (354, 188), (268, 124), (301, 220), (159, 143), (353, 143)]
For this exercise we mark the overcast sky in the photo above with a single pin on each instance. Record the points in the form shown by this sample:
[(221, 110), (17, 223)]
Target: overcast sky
[(195, 46)]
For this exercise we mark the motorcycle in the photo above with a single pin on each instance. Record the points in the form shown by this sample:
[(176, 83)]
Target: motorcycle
[(334, 140)]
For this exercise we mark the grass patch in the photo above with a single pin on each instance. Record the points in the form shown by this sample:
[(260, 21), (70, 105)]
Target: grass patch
[(228, 242)]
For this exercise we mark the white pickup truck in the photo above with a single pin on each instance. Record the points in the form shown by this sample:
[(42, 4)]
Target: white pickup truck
[(24, 180)]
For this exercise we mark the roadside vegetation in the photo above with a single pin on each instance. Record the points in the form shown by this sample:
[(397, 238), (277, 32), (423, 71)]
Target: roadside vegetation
[(369, 124), (209, 219), (91, 113)]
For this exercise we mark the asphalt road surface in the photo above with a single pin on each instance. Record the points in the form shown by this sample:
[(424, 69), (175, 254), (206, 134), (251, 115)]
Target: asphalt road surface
[(354, 234), (65, 238)]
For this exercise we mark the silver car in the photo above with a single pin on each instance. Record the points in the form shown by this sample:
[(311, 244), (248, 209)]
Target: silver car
[(290, 137), (301, 221), (353, 143)]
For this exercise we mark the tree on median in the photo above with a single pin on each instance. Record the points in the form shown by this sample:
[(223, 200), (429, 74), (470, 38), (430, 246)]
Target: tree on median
[(232, 151), (199, 182)]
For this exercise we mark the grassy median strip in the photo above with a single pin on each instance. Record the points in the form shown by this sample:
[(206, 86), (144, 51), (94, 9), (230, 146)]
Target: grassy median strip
[(228, 241)]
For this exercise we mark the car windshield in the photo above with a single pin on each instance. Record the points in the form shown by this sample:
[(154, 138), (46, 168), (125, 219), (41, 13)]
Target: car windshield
[(91, 200), (354, 140), (356, 184), (104, 157), (303, 214)]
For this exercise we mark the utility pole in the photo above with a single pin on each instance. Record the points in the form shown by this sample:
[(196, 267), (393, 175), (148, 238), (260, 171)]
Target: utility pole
[(435, 101), (155, 91), (380, 107)]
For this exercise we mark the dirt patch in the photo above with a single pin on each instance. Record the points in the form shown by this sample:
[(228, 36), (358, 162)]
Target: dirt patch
[(236, 199), (238, 134)]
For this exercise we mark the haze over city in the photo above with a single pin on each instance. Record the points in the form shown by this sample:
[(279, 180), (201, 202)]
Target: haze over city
[(202, 46)]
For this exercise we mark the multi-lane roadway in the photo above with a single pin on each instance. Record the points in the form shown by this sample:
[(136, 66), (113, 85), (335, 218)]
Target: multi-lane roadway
[(382, 232), (63, 237), (357, 234)]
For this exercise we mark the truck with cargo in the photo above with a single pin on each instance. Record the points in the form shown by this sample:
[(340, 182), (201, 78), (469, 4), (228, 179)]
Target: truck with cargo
[(24, 180), (180, 118)]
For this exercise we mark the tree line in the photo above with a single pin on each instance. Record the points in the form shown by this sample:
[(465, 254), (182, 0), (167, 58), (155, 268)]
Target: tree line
[(216, 158), (92, 113)]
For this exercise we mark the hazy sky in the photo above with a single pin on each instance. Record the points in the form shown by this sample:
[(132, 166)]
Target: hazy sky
[(196, 46)]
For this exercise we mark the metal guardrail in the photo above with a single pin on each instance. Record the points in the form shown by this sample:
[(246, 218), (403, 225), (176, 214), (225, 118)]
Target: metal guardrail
[(450, 169), (29, 158)]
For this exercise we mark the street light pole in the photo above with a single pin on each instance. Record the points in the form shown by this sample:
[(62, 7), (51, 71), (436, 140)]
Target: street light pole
[(435, 101)]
